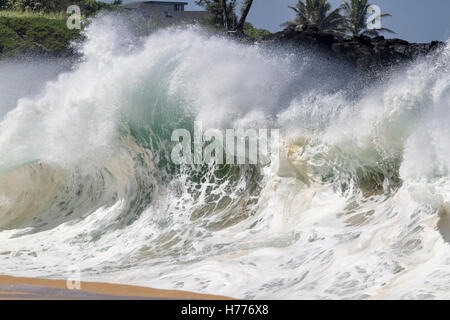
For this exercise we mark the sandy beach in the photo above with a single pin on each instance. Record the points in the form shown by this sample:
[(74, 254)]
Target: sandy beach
[(12, 288)]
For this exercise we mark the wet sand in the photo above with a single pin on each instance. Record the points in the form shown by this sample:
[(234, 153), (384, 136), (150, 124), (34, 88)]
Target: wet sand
[(43, 289)]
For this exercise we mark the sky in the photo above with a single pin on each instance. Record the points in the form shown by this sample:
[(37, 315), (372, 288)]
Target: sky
[(412, 20)]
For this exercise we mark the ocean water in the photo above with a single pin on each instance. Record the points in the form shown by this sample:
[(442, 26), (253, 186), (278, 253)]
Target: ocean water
[(357, 205)]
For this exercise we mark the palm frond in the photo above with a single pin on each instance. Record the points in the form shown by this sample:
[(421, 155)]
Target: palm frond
[(317, 13)]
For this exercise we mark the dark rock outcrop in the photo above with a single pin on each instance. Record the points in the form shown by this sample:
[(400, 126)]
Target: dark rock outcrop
[(364, 53)]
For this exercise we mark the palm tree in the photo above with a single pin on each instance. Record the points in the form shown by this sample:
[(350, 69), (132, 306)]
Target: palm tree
[(245, 10), (356, 13), (222, 11), (316, 13)]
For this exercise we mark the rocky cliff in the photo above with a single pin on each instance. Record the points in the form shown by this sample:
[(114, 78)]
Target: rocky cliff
[(361, 52)]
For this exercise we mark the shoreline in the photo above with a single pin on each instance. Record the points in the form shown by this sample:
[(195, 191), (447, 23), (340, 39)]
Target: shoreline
[(18, 288)]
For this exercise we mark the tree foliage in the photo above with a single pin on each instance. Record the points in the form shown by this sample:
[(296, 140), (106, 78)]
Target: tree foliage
[(221, 18), (317, 13), (255, 33), (352, 21), (33, 5), (88, 7), (35, 33), (224, 15)]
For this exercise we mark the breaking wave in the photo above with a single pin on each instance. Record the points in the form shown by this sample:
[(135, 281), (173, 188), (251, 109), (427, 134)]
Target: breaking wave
[(357, 206)]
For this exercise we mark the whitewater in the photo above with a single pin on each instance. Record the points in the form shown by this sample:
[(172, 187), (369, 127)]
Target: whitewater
[(357, 205)]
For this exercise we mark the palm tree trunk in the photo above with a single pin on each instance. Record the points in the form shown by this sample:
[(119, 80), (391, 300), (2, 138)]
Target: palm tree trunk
[(245, 11), (225, 15)]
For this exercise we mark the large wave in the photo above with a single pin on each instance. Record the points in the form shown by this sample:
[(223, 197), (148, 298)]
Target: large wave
[(356, 206)]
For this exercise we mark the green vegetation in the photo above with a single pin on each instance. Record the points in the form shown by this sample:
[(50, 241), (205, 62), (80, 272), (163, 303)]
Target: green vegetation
[(317, 13), (88, 7), (92, 7), (30, 5), (217, 8), (22, 33), (224, 15), (39, 26), (255, 33), (30, 14)]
